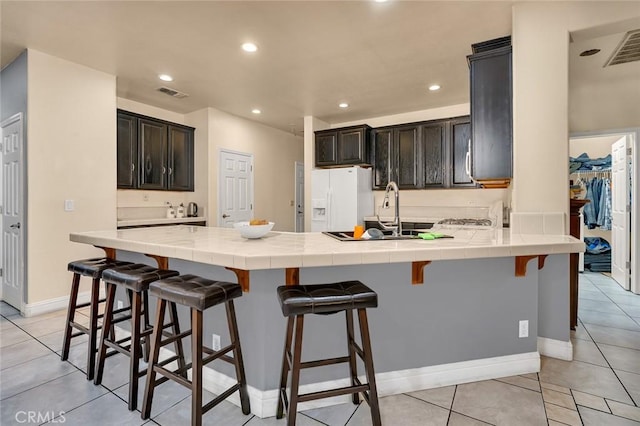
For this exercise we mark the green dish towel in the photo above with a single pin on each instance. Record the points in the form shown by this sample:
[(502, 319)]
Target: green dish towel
[(432, 235)]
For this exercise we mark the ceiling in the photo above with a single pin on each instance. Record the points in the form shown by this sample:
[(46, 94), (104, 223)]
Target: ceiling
[(378, 57)]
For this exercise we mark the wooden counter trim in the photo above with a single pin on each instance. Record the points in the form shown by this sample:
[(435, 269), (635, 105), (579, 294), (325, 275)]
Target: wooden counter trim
[(417, 271), (521, 263), (110, 253), (162, 261), (243, 278), (292, 276)]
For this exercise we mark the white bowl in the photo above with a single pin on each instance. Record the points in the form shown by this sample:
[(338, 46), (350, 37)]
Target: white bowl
[(253, 231)]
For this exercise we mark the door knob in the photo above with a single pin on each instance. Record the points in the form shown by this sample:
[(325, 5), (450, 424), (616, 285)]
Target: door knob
[(15, 226), (224, 216)]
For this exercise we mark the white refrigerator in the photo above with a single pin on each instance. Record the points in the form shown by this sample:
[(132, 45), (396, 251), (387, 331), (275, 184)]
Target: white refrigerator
[(341, 198)]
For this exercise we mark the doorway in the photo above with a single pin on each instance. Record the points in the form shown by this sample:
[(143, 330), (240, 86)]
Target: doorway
[(621, 175), (299, 197), (12, 253), (235, 188)]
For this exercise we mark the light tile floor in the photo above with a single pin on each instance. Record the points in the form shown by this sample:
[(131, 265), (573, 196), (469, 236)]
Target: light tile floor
[(600, 387)]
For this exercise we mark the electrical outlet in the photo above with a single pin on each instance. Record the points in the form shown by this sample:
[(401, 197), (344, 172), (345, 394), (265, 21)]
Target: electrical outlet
[(120, 304), (523, 328), (215, 342)]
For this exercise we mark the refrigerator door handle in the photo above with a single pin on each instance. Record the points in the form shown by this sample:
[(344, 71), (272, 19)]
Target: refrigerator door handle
[(329, 213)]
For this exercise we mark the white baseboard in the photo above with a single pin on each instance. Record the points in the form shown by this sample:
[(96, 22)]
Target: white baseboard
[(59, 303), (555, 348), (264, 403)]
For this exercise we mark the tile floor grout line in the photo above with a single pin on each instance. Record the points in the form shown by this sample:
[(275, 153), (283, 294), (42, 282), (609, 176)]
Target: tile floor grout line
[(39, 384), (469, 417)]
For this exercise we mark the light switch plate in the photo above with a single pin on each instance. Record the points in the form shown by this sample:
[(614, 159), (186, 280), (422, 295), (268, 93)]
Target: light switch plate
[(69, 205)]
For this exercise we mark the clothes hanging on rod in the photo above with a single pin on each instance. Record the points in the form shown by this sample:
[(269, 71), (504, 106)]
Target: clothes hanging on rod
[(597, 213)]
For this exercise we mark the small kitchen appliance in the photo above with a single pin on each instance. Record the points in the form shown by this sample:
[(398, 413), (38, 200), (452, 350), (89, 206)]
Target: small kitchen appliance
[(192, 210)]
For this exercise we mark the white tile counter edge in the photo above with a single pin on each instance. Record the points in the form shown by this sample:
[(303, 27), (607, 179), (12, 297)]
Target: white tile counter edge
[(161, 221), (277, 250)]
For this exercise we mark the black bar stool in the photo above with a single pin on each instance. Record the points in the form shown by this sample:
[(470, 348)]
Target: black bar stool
[(296, 301), (198, 294), (135, 278), (89, 268)]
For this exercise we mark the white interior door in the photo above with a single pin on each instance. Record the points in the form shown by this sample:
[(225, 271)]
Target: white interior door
[(12, 212), (621, 213), (299, 201), (235, 188)]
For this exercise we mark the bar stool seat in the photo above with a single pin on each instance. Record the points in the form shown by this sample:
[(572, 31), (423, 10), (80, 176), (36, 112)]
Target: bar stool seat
[(135, 279), (93, 269), (325, 299), (198, 294)]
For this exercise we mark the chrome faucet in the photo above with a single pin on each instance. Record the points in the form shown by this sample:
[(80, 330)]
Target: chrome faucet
[(396, 225)]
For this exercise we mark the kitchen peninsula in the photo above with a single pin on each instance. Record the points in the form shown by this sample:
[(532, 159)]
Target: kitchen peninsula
[(449, 309)]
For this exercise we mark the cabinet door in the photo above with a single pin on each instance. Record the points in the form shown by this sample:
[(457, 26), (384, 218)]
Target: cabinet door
[(153, 154), (433, 154), (460, 135), (180, 163), (127, 151), (491, 114), (352, 146), (407, 141), (383, 164), (326, 148)]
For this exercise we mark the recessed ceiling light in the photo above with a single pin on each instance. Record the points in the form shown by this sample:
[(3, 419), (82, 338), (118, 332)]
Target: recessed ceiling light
[(165, 77), (434, 87), (256, 111), (381, 1), (589, 52), (343, 105), (249, 47)]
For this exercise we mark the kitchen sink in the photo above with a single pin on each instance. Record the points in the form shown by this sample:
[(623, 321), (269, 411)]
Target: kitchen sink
[(407, 234)]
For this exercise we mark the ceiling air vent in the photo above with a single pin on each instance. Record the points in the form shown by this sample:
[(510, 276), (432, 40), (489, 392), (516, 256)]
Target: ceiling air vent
[(627, 51), (171, 92)]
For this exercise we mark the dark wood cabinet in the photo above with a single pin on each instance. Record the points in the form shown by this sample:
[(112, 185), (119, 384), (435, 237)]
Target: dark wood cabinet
[(154, 154), (326, 148), (342, 147), (460, 129), (491, 112), (395, 150), (429, 154), (180, 161), (433, 154), (127, 151)]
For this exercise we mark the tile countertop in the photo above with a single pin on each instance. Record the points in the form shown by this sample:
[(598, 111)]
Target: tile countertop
[(160, 221), (277, 250)]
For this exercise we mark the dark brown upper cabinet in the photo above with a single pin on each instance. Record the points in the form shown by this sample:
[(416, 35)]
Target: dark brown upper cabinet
[(127, 151), (342, 147), (429, 154), (395, 156), (154, 154), (491, 112), (460, 129)]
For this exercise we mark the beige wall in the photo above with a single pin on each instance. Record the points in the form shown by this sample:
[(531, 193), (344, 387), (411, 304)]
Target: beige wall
[(71, 154), (540, 108), (274, 155)]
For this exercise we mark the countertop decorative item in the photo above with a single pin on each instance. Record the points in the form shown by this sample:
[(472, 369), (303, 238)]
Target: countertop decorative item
[(253, 231)]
